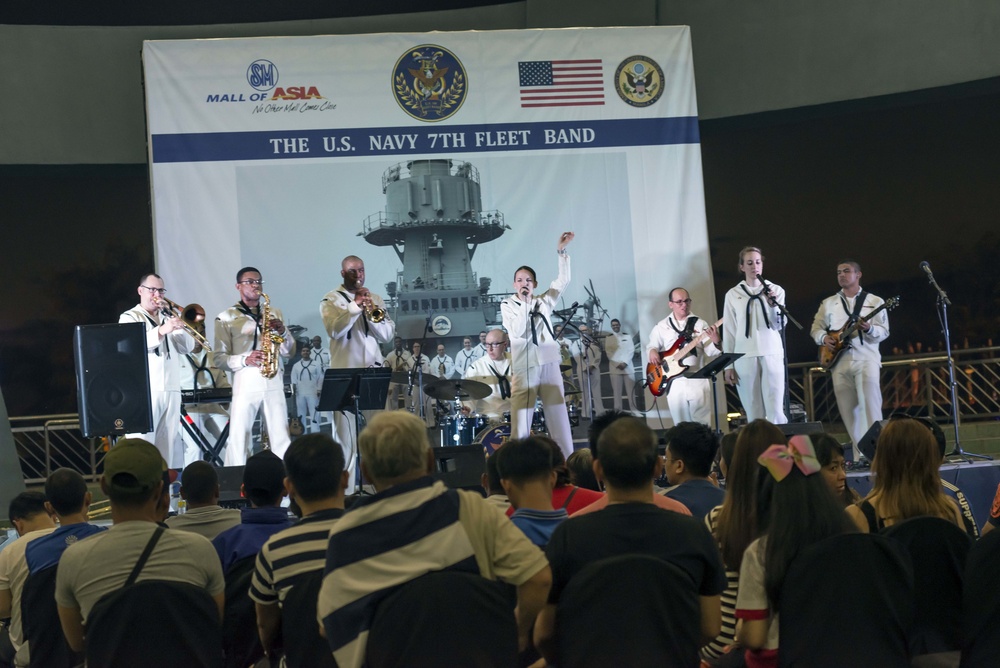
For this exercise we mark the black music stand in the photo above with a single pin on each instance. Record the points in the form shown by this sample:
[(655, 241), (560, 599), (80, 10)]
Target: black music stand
[(710, 371), (355, 390)]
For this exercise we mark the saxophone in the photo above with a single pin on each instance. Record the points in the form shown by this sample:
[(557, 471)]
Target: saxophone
[(270, 340)]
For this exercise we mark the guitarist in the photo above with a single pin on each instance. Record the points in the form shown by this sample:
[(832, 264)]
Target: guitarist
[(689, 400), (855, 374)]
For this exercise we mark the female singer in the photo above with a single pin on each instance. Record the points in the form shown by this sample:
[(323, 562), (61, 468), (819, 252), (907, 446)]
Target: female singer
[(752, 326), (535, 353)]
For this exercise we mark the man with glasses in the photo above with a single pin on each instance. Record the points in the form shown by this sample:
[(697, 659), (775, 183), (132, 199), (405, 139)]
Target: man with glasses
[(856, 374), (166, 342), (689, 400), (239, 337), (493, 370)]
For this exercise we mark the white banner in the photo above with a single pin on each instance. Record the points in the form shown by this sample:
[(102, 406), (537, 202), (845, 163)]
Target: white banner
[(441, 159)]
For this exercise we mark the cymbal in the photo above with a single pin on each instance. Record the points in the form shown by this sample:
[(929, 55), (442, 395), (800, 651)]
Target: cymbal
[(403, 378), (568, 392), (448, 389)]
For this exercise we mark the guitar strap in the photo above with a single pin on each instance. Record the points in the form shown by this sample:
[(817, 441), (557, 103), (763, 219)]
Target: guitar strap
[(855, 315)]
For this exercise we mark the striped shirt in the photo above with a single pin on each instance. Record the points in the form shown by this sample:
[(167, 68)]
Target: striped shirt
[(402, 533), (727, 636), (288, 554)]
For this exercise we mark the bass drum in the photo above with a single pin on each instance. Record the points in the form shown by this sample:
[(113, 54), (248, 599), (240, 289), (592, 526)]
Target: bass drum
[(492, 438)]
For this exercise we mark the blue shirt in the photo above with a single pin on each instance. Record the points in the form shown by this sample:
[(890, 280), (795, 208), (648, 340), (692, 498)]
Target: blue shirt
[(538, 525), (700, 496), (47, 550), (245, 539)]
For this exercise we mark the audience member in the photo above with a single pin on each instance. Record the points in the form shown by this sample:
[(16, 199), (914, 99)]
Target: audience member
[(631, 524), (597, 427), (566, 495), (740, 519), (204, 516), (90, 569), (830, 454), (264, 487), (950, 489), (691, 448), (803, 512), (526, 473), (490, 481), (727, 446), (315, 480), (435, 529), (907, 483), (31, 518), (580, 465)]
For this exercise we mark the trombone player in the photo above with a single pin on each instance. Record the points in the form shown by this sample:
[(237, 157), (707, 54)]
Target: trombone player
[(240, 336), (166, 340), (357, 323)]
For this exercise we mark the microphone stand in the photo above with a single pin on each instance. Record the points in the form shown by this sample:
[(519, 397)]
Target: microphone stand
[(420, 368), (783, 314), (943, 302)]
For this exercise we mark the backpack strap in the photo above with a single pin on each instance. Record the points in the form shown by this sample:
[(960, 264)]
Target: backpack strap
[(153, 540)]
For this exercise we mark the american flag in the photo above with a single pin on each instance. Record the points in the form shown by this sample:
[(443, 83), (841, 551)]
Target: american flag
[(561, 83)]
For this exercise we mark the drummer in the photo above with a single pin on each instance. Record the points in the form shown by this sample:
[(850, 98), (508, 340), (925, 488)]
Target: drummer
[(493, 369)]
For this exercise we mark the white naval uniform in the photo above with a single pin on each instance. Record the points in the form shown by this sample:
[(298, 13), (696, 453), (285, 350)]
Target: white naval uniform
[(761, 370), (588, 375), (620, 350), (163, 354), (443, 367), (535, 362), (689, 399), (354, 344), (210, 418), (494, 405), (424, 363), (307, 379), (464, 359), (856, 374), (400, 362), (236, 336), (479, 350)]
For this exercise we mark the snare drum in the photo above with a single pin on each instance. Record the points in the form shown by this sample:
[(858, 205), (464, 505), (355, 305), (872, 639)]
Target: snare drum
[(462, 430)]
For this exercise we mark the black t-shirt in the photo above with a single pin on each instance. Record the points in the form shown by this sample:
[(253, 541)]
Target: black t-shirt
[(635, 528)]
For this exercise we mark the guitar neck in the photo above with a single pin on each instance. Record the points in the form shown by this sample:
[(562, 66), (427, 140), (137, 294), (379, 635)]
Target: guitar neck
[(683, 352)]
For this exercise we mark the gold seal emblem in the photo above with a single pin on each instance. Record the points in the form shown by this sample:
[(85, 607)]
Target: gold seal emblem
[(429, 83), (639, 81)]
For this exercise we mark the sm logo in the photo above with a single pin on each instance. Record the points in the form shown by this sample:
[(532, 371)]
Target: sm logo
[(262, 75)]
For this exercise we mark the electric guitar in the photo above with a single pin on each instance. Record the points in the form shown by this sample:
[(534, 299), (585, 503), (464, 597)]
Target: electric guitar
[(660, 376), (828, 357)]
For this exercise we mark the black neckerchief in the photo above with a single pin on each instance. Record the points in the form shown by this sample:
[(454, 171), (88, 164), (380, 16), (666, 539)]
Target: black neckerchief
[(245, 310), (165, 343), (763, 309), (535, 313), (199, 368), (855, 315), (364, 318), (502, 381), (305, 367)]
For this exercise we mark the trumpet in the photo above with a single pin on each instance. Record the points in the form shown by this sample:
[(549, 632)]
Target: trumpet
[(374, 313), (188, 317)]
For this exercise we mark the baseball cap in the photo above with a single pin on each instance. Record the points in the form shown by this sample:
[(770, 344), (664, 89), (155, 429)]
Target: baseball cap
[(133, 465), (264, 471)]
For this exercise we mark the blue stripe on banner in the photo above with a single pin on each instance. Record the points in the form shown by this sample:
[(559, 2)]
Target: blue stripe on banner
[(391, 533), (410, 140)]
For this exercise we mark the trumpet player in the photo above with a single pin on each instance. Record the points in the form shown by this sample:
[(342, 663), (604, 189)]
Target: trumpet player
[(240, 335), (355, 338), (166, 341)]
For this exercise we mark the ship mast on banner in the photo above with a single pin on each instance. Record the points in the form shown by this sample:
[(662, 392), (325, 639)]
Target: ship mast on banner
[(434, 221)]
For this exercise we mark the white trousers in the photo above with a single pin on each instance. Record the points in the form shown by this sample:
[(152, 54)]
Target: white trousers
[(690, 400), (305, 404), (546, 382), (166, 423), (590, 383), (617, 381), (243, 412), (761, 387), (859, 397)]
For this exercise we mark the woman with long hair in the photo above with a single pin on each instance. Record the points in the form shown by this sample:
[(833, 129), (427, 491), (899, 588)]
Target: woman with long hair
[(830, 454), (741, 518), (907, 483), (803, 512)]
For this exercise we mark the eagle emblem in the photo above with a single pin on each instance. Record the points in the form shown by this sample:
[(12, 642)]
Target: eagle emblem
[(429, 83), (639, 81)]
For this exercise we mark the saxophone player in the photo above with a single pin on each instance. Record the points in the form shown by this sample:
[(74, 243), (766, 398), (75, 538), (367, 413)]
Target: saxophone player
[(355, 338), (240, 336)]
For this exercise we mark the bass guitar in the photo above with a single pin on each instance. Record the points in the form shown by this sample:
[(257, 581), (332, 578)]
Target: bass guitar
[(842, 337), (660, 376)]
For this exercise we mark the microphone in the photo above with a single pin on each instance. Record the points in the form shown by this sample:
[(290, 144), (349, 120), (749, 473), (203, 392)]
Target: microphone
[(927, 269), (567, 311), (409, 390), (942, 295)]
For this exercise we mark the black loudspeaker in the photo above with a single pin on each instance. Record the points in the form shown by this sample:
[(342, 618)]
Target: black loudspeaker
[(796, 428), (230, 481), (868, 441), (112, 379), (460, 466)]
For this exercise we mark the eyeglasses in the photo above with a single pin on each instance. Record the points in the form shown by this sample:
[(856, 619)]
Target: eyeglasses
[(252, 281), (159, 291), (681, 301), (496, 345)]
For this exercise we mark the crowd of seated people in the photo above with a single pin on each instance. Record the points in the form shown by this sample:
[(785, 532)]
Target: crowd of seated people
[(616, 573)]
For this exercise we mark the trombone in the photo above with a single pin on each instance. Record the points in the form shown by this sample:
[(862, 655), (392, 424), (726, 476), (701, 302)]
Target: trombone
[(188, 317)]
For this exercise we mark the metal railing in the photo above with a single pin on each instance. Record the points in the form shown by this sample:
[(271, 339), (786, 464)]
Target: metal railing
[(45, 443)]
